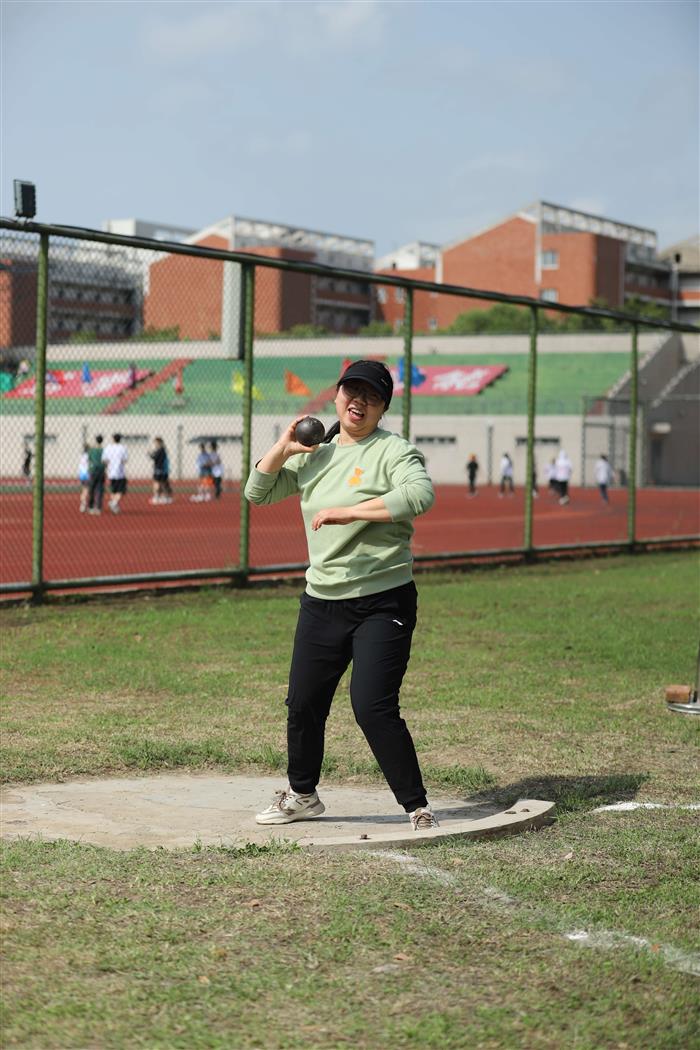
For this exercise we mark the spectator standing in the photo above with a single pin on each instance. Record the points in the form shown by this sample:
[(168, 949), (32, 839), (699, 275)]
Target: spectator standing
[(472, 471), (96, 470), (604, 476), (27, 464), (562, 475), (167, 487), (506, 476), (203, 493), (160, 473), (84, 477), (114, 458), (217, 468)]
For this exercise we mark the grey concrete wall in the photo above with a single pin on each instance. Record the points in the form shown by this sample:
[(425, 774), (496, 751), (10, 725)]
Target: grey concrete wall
[(446, 441)]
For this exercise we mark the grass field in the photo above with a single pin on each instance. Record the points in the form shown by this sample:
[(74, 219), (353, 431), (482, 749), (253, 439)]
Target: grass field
[(542, 682), (562, 381)]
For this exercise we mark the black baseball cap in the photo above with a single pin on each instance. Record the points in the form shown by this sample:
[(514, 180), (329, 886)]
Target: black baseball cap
[(375, 374)]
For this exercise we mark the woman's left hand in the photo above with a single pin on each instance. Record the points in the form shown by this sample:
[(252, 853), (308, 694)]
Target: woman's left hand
[(333, 516)]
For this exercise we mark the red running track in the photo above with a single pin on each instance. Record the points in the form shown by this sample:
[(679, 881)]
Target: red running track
[(186, 535)]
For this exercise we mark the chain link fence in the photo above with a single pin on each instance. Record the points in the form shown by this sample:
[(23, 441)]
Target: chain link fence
[(191, 361)]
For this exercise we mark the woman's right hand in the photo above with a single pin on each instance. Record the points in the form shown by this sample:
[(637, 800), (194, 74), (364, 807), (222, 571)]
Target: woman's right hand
[(288, 443), (283, 449)]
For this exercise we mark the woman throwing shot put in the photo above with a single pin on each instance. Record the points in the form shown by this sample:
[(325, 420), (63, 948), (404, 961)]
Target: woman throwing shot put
[(360, 490)]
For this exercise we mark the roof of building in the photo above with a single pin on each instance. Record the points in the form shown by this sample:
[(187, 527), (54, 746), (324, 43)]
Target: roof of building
[(327, 247), (557, 218)]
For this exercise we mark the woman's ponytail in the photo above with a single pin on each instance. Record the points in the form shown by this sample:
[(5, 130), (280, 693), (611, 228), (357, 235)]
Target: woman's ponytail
[(331, 433)]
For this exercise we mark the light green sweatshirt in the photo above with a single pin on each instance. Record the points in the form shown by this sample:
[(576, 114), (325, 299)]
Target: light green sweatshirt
[(363, 557)]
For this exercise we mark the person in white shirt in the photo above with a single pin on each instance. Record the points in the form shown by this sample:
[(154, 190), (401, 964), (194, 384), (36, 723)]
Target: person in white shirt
[(506, 476), (114, 457), (604, 476), (84, 477), (562, 475)]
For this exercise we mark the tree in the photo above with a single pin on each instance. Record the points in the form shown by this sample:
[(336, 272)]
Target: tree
[(158, 335), (376, 328)]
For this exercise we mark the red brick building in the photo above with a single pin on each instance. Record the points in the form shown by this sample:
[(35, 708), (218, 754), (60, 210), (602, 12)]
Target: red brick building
[(94, 293), (191, 294), (544, 252)]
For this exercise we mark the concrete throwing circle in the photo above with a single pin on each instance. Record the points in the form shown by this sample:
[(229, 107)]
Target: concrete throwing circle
[(178, 811)]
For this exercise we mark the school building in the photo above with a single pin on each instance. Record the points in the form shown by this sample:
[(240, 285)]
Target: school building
[(201, 297), (545, 251)]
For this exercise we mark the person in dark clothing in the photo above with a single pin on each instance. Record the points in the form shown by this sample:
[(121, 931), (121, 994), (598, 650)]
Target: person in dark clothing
[(217, 468), (161, 482), (472, 471), (96, 477), (27, 464)]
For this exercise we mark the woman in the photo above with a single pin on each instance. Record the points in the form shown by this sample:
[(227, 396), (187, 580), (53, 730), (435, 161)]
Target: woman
[(84, 477), (160, 476), (360, 490)]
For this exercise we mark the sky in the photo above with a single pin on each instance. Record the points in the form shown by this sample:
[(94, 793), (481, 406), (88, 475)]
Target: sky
[(393, 121)]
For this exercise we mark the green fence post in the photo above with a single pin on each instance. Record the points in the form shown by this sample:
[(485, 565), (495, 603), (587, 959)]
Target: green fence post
[(632, 465), (407, 361), (42, 305), (531, 409), (248, 330)]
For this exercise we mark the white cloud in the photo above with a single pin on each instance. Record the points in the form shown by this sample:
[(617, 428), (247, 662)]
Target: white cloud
[(210, 30), (347, 21), (195, 31)]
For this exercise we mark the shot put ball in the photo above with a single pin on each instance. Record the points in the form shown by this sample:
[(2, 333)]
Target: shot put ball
[(309, 431)]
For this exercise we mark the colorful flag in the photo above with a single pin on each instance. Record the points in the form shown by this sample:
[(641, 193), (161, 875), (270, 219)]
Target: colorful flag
[(238, 386), (294, 385)]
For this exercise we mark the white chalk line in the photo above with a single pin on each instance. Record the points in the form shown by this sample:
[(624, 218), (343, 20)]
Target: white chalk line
[(626, 807), (686, 962), (676, 958)]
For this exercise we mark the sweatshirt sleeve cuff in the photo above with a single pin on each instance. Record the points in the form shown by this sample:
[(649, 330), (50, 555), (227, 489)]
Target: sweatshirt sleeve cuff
[(259, 483), (397, 505)]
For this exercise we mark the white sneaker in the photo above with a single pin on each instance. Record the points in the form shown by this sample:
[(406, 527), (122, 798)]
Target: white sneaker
[(288, 806), (423, 819)]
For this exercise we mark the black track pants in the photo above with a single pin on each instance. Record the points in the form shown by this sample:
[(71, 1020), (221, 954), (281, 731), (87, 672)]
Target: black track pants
[(375, 633)]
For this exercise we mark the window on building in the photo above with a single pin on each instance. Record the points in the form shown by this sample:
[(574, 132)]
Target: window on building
[(550, 260), (550, 295), (432, 324), (399, 295), (381, 295)]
